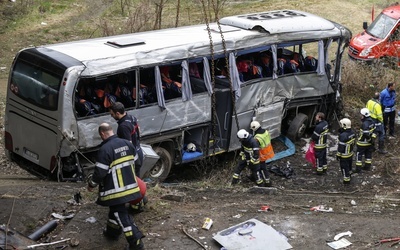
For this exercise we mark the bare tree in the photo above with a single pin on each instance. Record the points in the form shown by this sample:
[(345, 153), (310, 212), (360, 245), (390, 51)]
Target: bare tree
[(178, 7), (160, 4)]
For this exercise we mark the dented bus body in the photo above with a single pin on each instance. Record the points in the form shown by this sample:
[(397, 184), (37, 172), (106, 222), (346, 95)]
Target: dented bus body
[(284, 66)]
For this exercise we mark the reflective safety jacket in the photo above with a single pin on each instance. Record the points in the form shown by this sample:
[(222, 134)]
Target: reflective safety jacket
[(264, 139), (115, 172), (320, 135), (346, 143), (251, 148), (367, 132), (375, 110)]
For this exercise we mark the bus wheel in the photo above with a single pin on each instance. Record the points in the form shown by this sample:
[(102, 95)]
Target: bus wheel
[(161, 169), (297, 127)]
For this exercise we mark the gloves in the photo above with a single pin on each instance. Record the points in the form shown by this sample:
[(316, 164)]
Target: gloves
[(337, 158), (254, 161), (242, 155)]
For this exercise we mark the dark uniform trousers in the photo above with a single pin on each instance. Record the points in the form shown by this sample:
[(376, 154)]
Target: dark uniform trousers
[(254, 168), (322, 163), (345, 166), (118, 218), (367, 151)]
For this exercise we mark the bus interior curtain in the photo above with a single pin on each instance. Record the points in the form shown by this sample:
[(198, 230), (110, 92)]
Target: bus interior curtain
[(207, 76), (186, 88), (321, 58), (159, 89), (234, 75), (275, 59)]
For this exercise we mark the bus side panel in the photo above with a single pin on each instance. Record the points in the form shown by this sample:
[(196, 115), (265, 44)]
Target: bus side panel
[(37, 142), (300, 86), (262, 92), (152, 119)]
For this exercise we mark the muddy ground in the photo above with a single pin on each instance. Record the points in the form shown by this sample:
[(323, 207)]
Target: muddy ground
[(173, 218)]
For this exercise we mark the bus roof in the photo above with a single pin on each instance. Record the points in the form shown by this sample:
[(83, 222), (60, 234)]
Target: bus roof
[(110, 54)]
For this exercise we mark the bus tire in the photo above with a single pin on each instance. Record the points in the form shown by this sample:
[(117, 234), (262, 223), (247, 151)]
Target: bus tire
[(161, 169), (297, 127)]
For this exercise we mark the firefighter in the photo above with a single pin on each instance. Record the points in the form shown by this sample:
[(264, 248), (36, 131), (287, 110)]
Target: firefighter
[(319, 137), (249, 156), (365, 141), (128, 129), (266, 151), (345, 149), (375, 110), (115, 175)]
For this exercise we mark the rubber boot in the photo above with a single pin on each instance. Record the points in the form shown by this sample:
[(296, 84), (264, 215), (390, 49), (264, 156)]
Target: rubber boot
[(357, 170), (346, 180), (234, 181), (381, 149), (267, 182), (367, 167), (135, 245)]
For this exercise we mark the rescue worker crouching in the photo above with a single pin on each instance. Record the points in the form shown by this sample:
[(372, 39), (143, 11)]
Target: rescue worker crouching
[(365, 141), (249, 156), (266, 151), (345, 149), (320, 137)]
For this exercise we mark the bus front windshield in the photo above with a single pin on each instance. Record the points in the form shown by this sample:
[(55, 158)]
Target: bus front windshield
[(35, 85), (381, 26)]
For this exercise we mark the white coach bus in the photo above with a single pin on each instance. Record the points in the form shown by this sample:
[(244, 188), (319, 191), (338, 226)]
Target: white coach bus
[(195, 84)]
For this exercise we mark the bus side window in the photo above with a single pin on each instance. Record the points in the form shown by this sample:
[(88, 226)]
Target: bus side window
[(196, 81), (86, 102), (125, 90), (310, 63), (265, 62), (171, 86), (147, 92), (248, 69)]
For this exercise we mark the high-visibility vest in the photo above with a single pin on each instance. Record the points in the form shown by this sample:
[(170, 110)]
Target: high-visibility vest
[(375, 110), (266, 150)]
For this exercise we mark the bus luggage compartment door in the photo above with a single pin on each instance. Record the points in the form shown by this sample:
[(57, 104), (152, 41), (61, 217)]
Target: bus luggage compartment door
[(150, 157), (33, 141)]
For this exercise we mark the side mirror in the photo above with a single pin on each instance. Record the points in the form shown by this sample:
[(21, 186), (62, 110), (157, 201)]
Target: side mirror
[(365, 25)]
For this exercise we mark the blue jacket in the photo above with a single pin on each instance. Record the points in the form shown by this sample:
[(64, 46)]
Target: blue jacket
[(388, 100)]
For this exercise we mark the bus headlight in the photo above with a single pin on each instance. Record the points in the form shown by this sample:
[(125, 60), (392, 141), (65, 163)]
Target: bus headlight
[(365, 52)]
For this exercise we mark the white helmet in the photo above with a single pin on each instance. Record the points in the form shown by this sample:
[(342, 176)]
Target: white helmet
[(191, 147), (242, 134), (365, 112), (345, 123), (254, 125)]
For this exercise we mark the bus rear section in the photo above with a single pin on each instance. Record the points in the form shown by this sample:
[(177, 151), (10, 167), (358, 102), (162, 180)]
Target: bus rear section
[(32, 118), (380, 40)]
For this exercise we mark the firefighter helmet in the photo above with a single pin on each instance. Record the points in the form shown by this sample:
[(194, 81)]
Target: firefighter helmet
[(254, 125), (345, 123), (365, 112), (242, 134)]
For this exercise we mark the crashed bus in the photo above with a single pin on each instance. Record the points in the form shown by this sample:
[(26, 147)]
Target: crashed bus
[(194, 85)]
